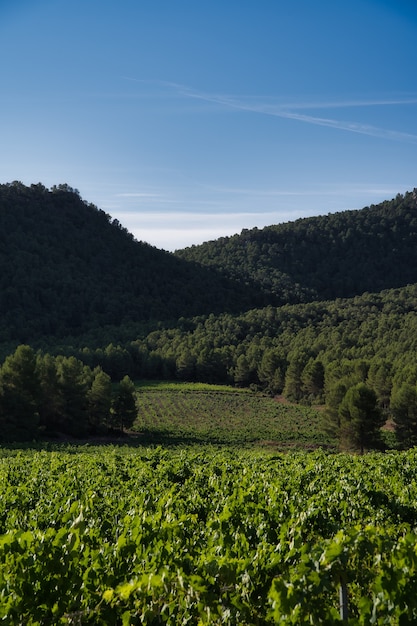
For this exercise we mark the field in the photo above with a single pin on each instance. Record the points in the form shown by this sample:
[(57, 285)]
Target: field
[(206, 520), (198, 413), (206, 535)]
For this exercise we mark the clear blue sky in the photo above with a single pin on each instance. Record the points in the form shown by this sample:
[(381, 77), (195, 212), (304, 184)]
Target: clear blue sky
[(188, 120)]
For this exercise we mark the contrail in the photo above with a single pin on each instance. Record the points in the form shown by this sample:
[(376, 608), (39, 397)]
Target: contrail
[(288, 111), (283, 112), (354, 127)]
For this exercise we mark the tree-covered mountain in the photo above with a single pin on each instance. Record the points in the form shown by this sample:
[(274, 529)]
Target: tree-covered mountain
[(321, 309), (67, 268), (320, 258)]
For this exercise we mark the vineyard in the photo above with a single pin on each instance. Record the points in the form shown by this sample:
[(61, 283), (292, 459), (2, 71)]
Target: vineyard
[(199, 413), (206, 535)]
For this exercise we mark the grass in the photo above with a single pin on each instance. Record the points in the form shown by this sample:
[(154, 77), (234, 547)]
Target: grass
[(215, 414), (162, 385)]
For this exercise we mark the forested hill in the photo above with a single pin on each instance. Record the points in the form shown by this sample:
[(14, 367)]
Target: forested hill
[(339, 255), (66, 268)]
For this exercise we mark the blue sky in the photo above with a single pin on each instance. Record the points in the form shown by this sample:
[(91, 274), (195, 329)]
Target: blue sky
[(189, 120)]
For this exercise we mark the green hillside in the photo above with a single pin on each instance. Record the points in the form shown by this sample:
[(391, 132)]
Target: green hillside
[(322, 258), (66, 268), (259, 346)]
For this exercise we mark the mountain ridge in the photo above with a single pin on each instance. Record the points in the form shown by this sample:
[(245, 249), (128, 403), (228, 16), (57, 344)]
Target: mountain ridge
[(324, 257), (68, 269)]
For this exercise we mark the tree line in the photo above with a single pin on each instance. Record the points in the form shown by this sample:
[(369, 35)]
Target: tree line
[(311, 353), (46, 396)]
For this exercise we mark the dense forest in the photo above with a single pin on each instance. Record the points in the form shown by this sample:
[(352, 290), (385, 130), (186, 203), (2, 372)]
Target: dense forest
[(67, 268), (60, 396), (320, 258), (322, 310), (311, 353)]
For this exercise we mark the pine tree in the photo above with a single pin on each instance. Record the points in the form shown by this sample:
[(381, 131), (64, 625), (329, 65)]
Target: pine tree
[(242, 372), (360, 418), (99, 401), (124, 410), (270, 371), (185, 365), (19, 398), (312, 379), (335, 392), (404, 411), (73, 385), (293, 385), (380, 380), (50, 400)]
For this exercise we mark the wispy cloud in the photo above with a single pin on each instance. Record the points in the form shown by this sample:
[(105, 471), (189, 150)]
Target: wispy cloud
[(284, 112), (290, 110), (354, 127), (170, 220), (328, 189), (272, 102), (139, 194), (171, 231)]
